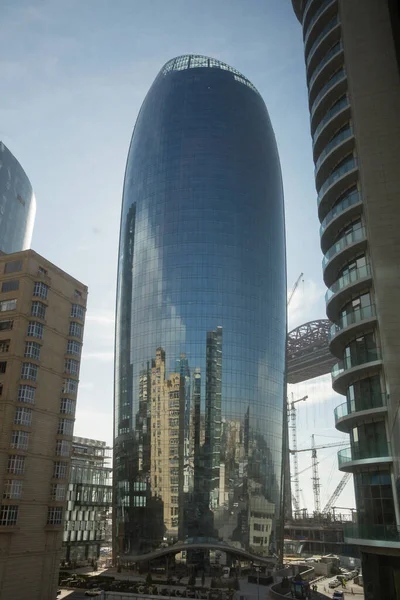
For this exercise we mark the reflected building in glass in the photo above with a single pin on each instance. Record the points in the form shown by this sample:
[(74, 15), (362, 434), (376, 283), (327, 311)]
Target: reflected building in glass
[(17, 204), (201, 317)]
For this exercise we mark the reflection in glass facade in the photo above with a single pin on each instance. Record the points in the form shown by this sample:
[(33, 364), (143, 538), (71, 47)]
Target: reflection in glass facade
[(17, 204), (201, 316)]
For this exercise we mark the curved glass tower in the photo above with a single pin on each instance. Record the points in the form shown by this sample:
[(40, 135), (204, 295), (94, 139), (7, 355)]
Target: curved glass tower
[(201, 316), (17, 204)]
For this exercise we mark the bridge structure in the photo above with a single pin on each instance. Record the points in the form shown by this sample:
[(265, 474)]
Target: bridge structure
[(308, 354)]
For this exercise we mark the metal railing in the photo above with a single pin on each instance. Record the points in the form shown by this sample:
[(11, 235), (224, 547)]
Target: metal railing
[(331, 25), (343, 242), (345, 134), (351, 318), (347, 279), (346, 167), (357, 452), (357, 358), (334, 51), (340, 75), (332, 112), (322, 8), (369, 402), (349, 200)]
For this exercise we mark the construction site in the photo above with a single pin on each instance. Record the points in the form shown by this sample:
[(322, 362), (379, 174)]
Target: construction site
[(314, 524)]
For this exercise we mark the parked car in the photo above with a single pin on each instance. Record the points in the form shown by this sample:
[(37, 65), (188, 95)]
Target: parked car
[(334, 583), (338, 595), (93, 592)]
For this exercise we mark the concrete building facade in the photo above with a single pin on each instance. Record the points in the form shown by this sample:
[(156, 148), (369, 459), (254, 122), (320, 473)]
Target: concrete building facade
[(352, 68), (42, 313)]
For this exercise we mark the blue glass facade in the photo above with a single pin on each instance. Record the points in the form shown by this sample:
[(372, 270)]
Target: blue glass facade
[(17, 204), (201, 316)]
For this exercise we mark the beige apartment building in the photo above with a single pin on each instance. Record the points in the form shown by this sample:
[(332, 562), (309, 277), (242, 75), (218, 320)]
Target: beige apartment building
[(352, 63), (42, 313), (167, 409)]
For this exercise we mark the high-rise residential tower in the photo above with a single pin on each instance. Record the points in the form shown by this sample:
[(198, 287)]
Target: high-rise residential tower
[(201, 316), (17, 204), (42, 313), (352, 52)]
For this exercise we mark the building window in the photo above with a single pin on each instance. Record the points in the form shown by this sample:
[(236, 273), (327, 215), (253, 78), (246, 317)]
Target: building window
[(75, 330), (60, 470), (10, 286), (38, 309), (23, 416), (4, 346), (70, 386), (58, 491), (3, 366), (77, 312), (67, 406), (16, 464), (13, 266), (32, 350), (35, 330), (8, 305), (65, 427), (42, 271), (63, 448), (8, 514), (41, 290), (54, 515), (20, 440), (72, 366), (29, 371), (26, 393), (77, 294), (74, 347), (13, 489), (6, 325)]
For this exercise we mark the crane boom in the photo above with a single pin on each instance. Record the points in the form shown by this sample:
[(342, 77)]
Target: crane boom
[(339, 489), (293, 426), (315, 476), (294, 288), (335, 445)]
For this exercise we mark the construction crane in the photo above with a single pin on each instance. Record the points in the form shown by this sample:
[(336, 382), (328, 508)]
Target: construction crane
[(315, 475), (294, 288), (339, 489), (293, 427)]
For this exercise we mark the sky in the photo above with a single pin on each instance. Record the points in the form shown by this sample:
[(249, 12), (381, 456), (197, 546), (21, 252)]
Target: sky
[(73, 76)]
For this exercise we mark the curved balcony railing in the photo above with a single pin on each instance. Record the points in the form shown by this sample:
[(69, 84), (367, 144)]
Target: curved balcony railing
[(331, 25), (332, 112), (352, 318), (358, 452), (334, 80), (314, 19), (347, 166), (347, 279), (370, 531), (350, 200), (356, 359), (334, 51), (343, 242), (369, 402), (335, 141), (306, 9)]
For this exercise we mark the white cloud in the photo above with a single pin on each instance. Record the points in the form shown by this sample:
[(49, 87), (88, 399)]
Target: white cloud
[(100, 356), (100, 423), (307, 303), (105, 318), (318, 390)]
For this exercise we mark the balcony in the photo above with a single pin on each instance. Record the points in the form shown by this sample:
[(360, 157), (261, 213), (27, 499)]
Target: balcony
[(365, 408), (342, 252), (338, 216), (331, 62), (334, 88), (349, 327), (325, 12), (308, 5), (368, 534), (335, 118), (352, 458), (346, 286), (340, 145), (342, 178), (363, 363), (328, 36)]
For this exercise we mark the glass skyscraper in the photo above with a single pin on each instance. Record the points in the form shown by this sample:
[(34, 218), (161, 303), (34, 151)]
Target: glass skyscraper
[(201, 317), (17, 204)]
